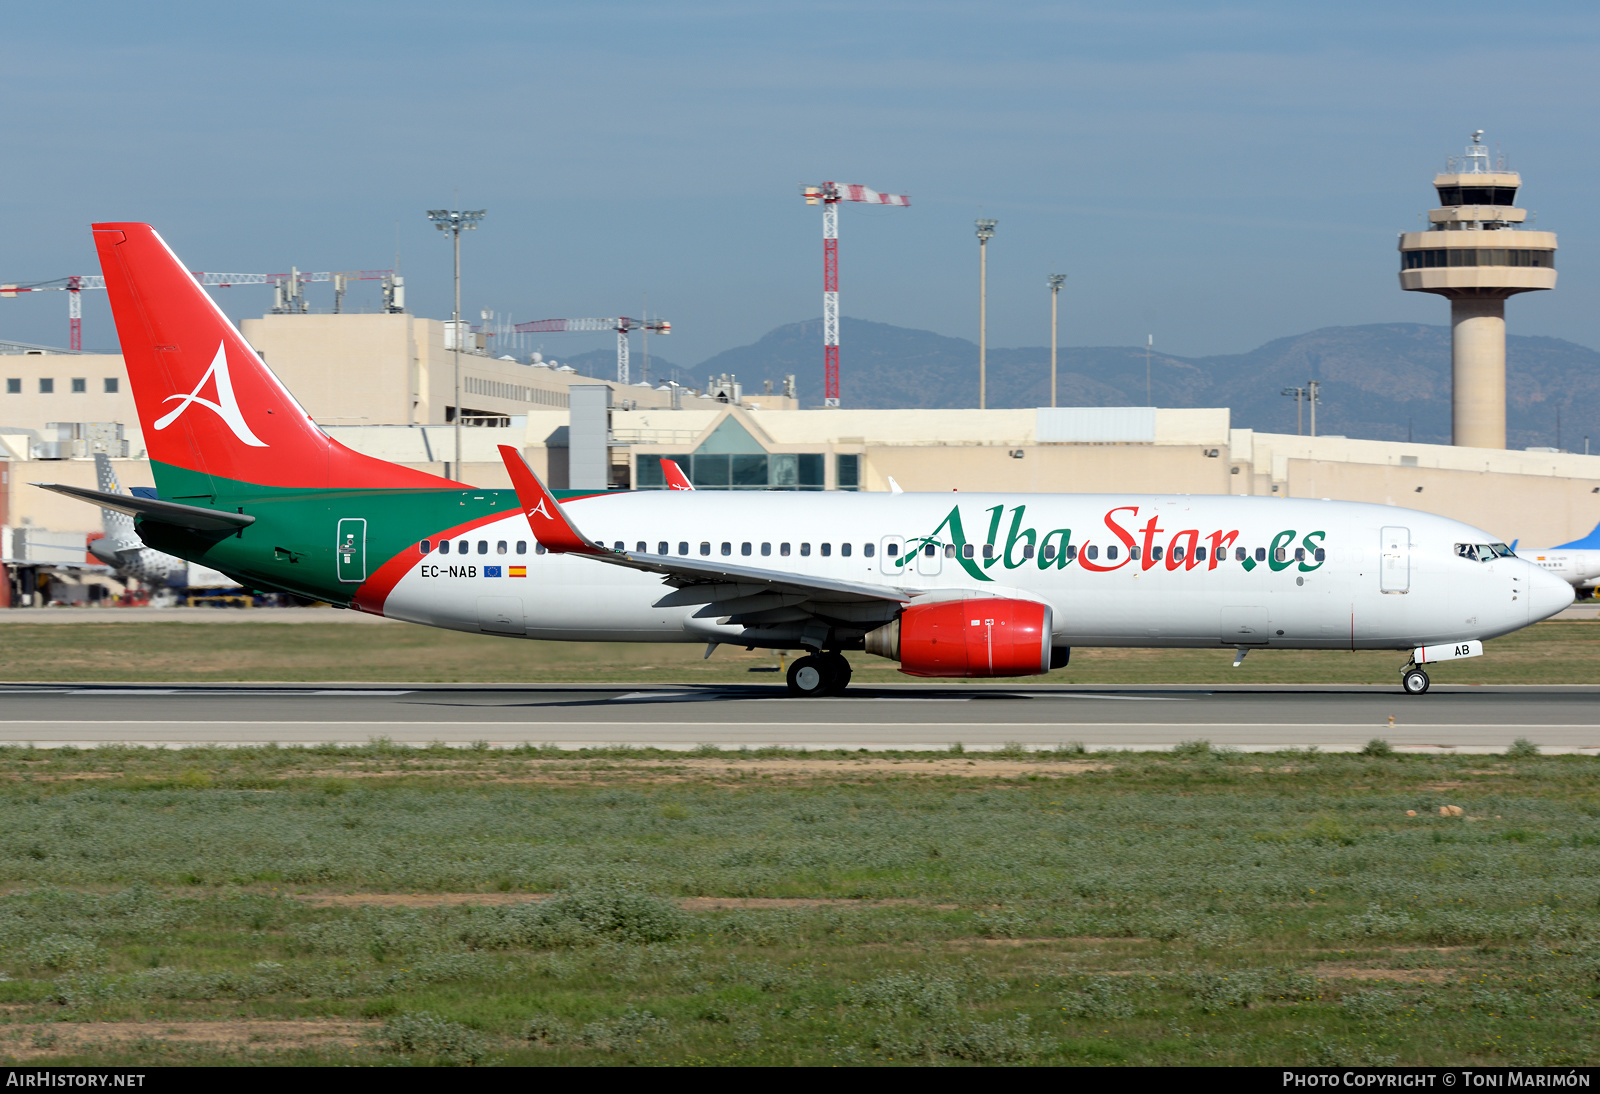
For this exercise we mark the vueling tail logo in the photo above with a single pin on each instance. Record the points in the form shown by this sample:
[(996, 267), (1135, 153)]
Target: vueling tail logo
[(1187, 548), (226, 406)]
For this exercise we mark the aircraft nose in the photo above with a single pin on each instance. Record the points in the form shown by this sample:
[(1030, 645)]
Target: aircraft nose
[(1547, 594)]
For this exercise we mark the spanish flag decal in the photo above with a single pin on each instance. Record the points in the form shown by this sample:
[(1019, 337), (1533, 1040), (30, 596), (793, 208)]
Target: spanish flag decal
[(519, 571)]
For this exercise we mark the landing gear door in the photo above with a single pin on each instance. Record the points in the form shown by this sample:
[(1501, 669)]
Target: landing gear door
[(1394, 571), (350, 552)]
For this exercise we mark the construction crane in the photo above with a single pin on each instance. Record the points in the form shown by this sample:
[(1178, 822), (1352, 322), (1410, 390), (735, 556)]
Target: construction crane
[(829, 195), (288, 292), (622, 325)]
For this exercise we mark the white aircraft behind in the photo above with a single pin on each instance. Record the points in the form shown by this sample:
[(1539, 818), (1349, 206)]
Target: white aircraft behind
[(1577, 563)]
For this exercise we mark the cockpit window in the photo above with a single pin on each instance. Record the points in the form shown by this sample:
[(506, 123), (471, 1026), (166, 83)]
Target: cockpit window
[(1466, 550), (1502, 551), (1483, 552)]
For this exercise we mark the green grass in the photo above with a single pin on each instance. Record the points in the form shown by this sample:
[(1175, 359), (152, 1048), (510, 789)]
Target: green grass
[(1194, 907), (1562, 653)]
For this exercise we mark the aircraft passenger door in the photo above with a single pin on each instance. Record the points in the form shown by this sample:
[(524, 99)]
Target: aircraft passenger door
[(891, 555), (928, 558), (1394, 569), (350, 551)]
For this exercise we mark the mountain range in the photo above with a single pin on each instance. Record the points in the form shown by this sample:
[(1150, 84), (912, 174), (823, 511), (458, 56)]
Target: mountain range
[(1387, 381)]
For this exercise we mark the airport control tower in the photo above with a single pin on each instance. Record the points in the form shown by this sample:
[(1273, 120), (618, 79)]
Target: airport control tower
[(1476, 253)]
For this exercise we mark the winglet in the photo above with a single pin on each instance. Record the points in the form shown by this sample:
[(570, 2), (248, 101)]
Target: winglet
[(676, 479), (551, 527)]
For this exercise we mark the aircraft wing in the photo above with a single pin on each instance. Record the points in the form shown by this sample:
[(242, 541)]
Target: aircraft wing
[(700, 581)]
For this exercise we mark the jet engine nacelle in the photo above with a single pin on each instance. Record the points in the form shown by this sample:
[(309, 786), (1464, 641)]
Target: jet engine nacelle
[(973, 637)]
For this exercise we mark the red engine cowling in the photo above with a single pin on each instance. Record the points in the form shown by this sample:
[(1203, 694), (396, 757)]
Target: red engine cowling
[(974, 637)]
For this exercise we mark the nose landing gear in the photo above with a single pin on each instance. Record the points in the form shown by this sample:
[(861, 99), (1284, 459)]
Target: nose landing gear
[(819, 674), (1413, 680)]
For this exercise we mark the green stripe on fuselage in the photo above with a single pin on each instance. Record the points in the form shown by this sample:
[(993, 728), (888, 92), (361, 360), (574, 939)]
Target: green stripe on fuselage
[(291, 546)]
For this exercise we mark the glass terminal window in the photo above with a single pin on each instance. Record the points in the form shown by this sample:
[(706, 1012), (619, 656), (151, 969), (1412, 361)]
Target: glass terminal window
[(1477, 195), (1477, 256)]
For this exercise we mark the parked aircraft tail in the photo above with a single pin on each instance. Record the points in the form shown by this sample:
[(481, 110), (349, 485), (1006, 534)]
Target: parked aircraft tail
[(216, 421), (1590, 542)]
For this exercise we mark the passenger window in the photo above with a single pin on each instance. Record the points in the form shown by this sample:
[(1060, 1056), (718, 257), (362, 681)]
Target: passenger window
[(1261, 554), (1199, 554), (1155, 554), (1177, 554), (1049, 554), (727, 548), (1091, 552), (1111, 552), (522, 546), (500, 548), (425, 546), (663, 548), (892, 550), (766, 549), (1027, 551), (483, 546), (744, 548), (1280, 555), (538, 548), (1072, 552), (705, 547), (827, 549), (683, 547), (1133, 552), (783, 549), (1320, 555), (805, 550), (1299, 554), (444, 546), (988, 551), (869, 549), (929, 549), (844, 550), (949, 550), (619, 545), (966, 550), (641, 547)]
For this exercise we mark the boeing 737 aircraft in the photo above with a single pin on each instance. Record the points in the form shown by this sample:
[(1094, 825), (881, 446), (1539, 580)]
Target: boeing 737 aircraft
[(1577, 563), (968, 585)]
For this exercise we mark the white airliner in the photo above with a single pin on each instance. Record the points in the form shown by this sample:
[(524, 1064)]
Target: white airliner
[(949, 585)]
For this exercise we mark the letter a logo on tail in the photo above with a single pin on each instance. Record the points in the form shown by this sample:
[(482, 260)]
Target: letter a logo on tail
[(226, 406)]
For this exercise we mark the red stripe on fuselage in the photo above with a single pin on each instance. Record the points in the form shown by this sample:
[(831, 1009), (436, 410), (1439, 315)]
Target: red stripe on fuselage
[(374, 592)]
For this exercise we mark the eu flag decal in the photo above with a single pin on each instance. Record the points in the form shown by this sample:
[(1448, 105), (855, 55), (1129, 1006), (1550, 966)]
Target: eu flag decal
[(492, 571)]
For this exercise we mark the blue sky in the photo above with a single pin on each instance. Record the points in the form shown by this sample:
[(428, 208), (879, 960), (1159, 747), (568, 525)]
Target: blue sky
[(1214, 174)]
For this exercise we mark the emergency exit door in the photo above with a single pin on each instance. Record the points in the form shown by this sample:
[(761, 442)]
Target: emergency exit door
[(350, 552), (1394, 569)]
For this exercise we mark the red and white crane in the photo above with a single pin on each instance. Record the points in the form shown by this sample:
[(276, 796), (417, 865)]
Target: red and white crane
[(622, 325), (829, 195), (287, 295)]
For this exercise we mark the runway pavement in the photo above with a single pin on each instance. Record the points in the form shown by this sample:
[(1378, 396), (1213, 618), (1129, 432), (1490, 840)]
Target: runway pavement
[(1253, 718)]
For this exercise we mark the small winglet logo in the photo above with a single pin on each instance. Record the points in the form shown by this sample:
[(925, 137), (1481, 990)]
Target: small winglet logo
[(226, 406), (540, 509)]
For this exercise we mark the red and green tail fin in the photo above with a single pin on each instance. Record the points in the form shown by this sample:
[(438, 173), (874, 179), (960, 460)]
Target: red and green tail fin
[(208, 405)]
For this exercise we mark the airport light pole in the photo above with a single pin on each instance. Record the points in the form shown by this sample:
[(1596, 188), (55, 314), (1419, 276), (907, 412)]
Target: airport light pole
[(456, 221), (1312, 400), (1298, 394), (985, 234), (1056, 281)]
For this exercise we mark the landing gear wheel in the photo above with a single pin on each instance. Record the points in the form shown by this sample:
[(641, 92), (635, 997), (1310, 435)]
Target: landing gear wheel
[(839, 668), (1414, 681), (810, 677)]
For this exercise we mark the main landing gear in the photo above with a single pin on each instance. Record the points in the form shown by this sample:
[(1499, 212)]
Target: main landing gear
[(819, 674), (1413, 680)]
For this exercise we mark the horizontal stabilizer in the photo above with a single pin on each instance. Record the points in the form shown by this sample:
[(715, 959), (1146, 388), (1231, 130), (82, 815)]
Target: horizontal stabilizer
[(164, 512)]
